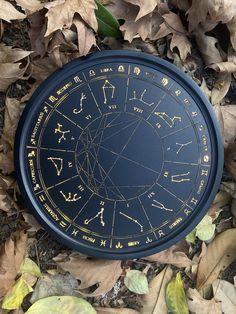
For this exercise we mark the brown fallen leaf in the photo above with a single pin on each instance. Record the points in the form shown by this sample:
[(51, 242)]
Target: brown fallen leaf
[(8, 12), (198, 305), (232, 29), (227, 66), (174, 256), (225, 293), (89, 271), (221, 199), (7, 162), (108, 310), (11, 256), (221, 88), (219, 254), (230, 159), (30, 6), (154, 300), (229, 118), (145, 6), (173, 25), (61, 12)]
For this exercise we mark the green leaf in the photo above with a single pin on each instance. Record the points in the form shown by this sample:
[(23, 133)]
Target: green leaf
[(175, 296), (191, 237), (61, 305), (14, 298), (107, 23), (205, 230), (29, 266), (136, 281)]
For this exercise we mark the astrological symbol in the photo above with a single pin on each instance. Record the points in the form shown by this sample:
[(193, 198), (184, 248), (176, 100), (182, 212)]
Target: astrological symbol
[(194, 201), (140, 98), (166, 173), (194, 114), (32, 141), (186, 101), (108, 89), (103, 243), (59, 130), (52, 99), (161, 206), (70, 198), (161, 233), (206, 158), (121, 68), (187, 212), (92, 73), (180, 177), (31, 154), (164, 81), (74, 232), (45, 109), (88, 117), (62, 224), (37, 187), (136, 70), (58, 163), (167, 119), (204, 172), (177, 92), (119, 245), (134, 220), (70, 165), (150, 195), (77, 79), (148, 240), (100, 213), (42, 198), (82, 98), (80, 188), (181, 146)]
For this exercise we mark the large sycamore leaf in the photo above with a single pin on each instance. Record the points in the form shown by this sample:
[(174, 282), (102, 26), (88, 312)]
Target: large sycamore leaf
[(198, 305), (175, 296), (61, 305), (61, 13), (154, 300), (219, 254), (8, 12), (103, 273), (145, 6), (11, 255)]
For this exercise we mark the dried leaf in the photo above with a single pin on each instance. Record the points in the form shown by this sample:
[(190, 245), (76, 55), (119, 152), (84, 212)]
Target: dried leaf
[(86, 37), (30, 6), (14, 298), (205, 230), (7, 162), (175, 296), (230, 159), (219, 254), (31, 222), (11, 256), (228, 67), (232, 29), (8, 12), (220, 88), (131, 28), (221, 199), (63, 304), (198, 305), (136, 281), (61, 12), (229, 118), (104, 273), (108, 310), (146, 7), (154, 300), (225, 293), (29, 266)]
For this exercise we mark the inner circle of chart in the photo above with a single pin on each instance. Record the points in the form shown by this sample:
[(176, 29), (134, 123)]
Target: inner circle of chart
[(119, 156)]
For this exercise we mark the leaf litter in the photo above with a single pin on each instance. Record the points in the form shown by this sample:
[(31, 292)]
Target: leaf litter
[(197, 36)]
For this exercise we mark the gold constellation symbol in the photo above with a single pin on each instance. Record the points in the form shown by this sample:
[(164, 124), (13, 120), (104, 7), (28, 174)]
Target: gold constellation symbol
[(181, 146), (180, 177), (161, 206), (108, 88), (100, 213), (58, 163), (59, 130), (70, 198), (168, 120), (134, 220), (82, 98), (141, 98)]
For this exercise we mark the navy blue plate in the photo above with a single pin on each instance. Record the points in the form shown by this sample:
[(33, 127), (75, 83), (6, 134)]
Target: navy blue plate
[(118, 154)]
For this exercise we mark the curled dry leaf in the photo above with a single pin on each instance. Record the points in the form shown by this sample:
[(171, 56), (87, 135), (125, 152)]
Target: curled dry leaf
[(145, 6), (154, 300), (11, 256), (198, 305), (172, 25), (61, 13), (219, 254), (227, 66), (104, 273), (8, 12), (225, 293)]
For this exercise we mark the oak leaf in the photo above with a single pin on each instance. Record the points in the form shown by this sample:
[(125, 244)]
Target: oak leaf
[(61, 13), (154, 300), (11, 256), (145, 6), (8, 12), (30, 6), (198, 305), (219, 254), (104, 273)]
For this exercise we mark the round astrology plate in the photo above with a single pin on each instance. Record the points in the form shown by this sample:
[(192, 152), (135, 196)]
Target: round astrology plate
[(118, 154)]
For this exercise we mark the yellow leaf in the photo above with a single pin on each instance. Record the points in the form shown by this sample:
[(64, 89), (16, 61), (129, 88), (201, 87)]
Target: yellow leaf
[(29, 266), (136, 281), (15, 296), (175, 296), (205, 230)]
